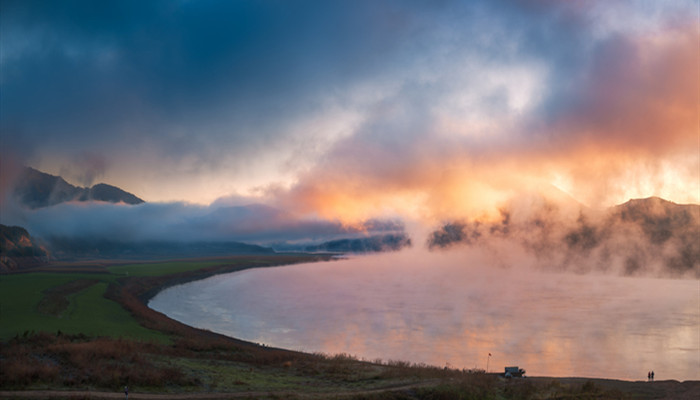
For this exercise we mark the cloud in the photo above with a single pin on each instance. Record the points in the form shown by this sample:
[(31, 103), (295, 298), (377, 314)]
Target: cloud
[(318, 120), (623, 124), (641, 237), (181, 222), (11, 169), (358, 110), (85, 168), (189, 88)]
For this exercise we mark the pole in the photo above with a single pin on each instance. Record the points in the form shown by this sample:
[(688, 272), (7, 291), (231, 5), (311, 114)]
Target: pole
[(487, 363)]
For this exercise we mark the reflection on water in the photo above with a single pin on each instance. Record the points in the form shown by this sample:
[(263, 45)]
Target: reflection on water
[(452, 308)]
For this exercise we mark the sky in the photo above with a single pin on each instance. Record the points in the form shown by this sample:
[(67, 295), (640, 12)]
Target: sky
[(349, 111)]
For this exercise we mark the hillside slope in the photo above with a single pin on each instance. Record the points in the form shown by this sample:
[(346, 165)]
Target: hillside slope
[(36, 189), (18, 249)]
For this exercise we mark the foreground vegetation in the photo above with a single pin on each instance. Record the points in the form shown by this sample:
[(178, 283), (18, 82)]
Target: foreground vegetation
[(89, 329)]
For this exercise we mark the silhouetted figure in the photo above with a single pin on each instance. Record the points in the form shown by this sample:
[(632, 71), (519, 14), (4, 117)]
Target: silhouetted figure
[(652, 376), (649, 376), (126, 392)]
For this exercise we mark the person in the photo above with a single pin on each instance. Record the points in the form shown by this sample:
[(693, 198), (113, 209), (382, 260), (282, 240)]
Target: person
[(649, 376), (126, 392), (652, 376)]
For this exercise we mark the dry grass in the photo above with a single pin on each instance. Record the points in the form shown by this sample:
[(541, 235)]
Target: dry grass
[(78, 361)]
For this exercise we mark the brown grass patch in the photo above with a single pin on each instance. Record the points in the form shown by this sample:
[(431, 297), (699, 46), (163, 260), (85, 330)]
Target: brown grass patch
[(55, 300)]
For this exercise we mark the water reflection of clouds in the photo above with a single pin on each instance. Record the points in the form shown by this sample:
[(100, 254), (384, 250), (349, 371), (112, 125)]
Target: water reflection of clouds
[(393, 307)]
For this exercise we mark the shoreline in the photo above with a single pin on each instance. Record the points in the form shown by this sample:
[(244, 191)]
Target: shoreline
[(205, 273), (224, 268), (567, 375), (337, 372), (134, 293)]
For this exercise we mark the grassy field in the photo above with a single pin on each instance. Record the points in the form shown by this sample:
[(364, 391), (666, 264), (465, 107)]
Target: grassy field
[(167, 268), (86, 311), (93, 333)]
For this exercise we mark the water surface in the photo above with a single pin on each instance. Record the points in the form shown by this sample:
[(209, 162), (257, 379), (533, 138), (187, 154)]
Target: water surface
[(454, 309)]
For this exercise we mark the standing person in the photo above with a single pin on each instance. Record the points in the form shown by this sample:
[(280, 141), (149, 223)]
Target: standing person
[(649, 376), (126, 392), (652, 376)]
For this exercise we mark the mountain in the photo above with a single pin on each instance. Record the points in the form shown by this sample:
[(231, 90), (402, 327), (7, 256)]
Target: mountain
[(663, 230), (36, 189), (109, 193), (648, 236), (19, 250), (659, 219)]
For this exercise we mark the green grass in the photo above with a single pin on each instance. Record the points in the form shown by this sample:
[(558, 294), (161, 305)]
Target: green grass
[(174, 267), (164, 268), (19, 297), (88, 311)]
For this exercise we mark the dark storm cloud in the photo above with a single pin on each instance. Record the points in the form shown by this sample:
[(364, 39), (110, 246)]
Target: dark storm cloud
[(84, 73), (193, 78)]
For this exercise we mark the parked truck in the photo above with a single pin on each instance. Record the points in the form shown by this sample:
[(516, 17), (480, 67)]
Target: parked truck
[(514, 372)]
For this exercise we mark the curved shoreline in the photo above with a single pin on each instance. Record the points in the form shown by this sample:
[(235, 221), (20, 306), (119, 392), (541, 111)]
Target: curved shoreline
[(157, 284), (226, 268), (134, 293), (181, 312), (164, 282)]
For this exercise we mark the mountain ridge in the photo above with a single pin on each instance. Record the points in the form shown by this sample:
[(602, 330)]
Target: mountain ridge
[(37, 189), (370, 244)]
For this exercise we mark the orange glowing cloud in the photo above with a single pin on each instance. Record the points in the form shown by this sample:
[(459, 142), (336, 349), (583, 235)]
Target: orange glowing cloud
[(630, 129)]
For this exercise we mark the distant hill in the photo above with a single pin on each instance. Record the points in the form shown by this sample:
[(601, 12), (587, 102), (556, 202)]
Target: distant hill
[(659, 219), (19, 250), (372, 244), (669, 231), (65, 248), (36, 189), (648, 236)]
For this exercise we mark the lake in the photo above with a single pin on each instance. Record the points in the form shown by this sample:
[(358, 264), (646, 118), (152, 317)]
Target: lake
[(453, 308)]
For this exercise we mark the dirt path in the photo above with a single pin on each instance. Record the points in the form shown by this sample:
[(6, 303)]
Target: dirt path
[(667, 390), (76, 394)]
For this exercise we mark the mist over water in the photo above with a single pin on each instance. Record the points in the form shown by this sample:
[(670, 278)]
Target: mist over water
[(454, 308)]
